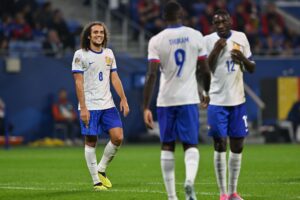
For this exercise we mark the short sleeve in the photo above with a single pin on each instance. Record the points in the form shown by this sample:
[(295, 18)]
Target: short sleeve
[(247, 51), (77, 63), (202, 52), (110, 60), (153, 54)]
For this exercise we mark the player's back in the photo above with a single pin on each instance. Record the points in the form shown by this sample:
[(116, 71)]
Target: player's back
[(177, 49)]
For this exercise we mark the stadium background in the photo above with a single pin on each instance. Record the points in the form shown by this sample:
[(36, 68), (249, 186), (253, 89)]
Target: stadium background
[(31, 75)]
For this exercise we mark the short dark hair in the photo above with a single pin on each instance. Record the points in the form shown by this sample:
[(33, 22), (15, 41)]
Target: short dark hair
[(221, 12), (172, 10), (86, 32)]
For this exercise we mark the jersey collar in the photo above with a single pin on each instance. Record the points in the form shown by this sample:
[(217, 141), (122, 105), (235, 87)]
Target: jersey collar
[(97, 52), (230, 33), (175, 26)]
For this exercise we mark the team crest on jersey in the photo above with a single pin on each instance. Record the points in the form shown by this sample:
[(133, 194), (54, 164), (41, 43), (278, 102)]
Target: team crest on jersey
[(108, 61), (236, 46), (77, 60)]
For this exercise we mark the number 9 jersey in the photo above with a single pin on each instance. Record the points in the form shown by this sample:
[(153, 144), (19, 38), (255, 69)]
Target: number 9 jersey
[(177, 49)]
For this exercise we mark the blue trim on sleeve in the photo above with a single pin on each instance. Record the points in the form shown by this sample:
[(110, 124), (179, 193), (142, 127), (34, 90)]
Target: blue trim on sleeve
[(113, 70), (77, 71)]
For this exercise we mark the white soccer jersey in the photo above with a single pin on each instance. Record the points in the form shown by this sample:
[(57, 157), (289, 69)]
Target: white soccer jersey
[(177, 50), (227, 86), (96, 68)]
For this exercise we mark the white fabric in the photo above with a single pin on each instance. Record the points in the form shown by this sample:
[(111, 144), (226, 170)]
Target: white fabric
[(234, 167), (96, 66), (108, 154), (220, 170), (168, 172), (227, 86), (183, 45), (191, 160), (91, 161)]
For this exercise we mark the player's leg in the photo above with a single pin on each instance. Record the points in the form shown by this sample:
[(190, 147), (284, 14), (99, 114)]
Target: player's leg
[(112, 124), (234, 166), (218, 127), (187, 127), (110, 150), (220, 165), (90, 134), (238, 130), (167, 159)]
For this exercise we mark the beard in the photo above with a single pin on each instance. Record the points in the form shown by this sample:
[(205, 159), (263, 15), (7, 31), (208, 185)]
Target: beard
[(97, 44)]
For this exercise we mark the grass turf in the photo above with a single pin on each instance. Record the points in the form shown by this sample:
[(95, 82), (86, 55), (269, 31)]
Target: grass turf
[(269, 172)]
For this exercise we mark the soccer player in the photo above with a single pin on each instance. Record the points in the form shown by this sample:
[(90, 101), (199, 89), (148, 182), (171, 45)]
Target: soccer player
[(229, 56), (93, 67), (179, 52)]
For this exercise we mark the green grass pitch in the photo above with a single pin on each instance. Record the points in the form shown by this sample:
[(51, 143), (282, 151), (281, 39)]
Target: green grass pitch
[(269, 172)]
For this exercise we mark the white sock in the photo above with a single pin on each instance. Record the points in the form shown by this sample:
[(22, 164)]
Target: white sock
[(91, 161), (108, 154), (168, 168), (220, 170), (191, 160), (234, 167)]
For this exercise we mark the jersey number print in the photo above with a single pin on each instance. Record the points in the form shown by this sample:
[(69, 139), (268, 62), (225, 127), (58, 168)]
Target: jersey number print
[(179, 60)]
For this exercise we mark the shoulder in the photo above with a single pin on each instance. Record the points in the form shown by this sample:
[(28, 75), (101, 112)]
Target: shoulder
[(80, 53), (211, 36), (239, 35), (194, 32), (108, 51)]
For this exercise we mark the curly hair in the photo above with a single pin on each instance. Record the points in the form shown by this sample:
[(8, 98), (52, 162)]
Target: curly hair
[(86, 33)]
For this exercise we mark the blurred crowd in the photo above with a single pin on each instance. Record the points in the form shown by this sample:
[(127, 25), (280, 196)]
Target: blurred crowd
[(263, 25), (33, 24)]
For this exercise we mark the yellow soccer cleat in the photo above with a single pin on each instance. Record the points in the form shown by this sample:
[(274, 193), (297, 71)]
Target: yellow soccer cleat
[(99, 187), (105, 181)]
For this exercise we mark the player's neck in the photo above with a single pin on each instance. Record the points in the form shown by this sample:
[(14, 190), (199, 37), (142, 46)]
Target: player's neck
[(174, 23)]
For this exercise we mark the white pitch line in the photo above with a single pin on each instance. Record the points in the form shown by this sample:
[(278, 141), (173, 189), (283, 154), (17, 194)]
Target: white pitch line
[(212, 183), (136, 191)]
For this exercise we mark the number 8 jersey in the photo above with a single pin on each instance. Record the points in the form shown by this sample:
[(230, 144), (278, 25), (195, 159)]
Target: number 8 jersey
[(96, 68), (177, 49)]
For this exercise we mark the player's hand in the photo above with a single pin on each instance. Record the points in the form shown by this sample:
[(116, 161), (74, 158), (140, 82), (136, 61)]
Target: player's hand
[(85, 116), (237, 56), (148, 119), (220, 44), (124, 107), (204, 101)]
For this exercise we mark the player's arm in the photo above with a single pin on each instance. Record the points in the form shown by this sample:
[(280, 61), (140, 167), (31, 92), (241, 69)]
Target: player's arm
[(213, 56), (151, 77), (245, 63), (84, 113), (203, 78), (117, 84)]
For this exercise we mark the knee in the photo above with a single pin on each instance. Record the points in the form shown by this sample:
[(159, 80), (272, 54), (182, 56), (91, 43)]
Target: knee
[(220, 145), (91, 141), (170, 146), (236, 149), (117, 140), (236, 145)]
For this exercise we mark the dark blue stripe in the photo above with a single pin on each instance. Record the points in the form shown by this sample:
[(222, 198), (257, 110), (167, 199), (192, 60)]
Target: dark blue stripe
[(175, 26), (77, 71), (113, 70), (97, 52)]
